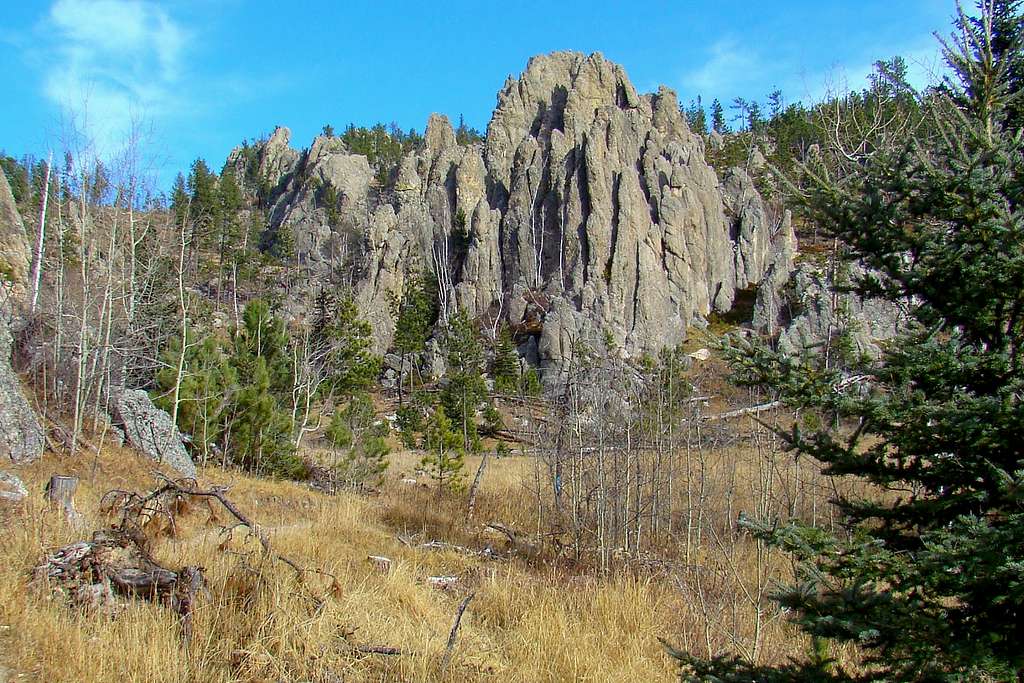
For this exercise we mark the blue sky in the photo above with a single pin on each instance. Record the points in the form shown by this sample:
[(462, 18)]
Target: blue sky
[(202, 75)]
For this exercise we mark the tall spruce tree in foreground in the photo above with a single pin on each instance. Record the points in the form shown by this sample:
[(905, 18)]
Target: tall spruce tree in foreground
[(928, 580)]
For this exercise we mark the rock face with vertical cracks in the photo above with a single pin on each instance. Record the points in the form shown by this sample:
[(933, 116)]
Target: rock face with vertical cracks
[(589, 212), (15, 255)]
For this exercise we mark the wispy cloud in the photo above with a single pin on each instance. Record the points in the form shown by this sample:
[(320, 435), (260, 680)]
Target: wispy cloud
[(924, 67), (730, 66), (112, 63)]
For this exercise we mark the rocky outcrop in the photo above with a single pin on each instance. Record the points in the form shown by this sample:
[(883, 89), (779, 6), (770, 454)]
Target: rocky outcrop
[(589, 212), (150, 430), (805, 312), (15, 252), (21, 437)]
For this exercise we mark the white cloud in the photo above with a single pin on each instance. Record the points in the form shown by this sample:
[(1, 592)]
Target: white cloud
[(732, 69), (112, 62), (728, 68)]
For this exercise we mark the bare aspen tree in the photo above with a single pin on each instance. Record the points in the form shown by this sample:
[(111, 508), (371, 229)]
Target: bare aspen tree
[(37, 256), (183, 244)]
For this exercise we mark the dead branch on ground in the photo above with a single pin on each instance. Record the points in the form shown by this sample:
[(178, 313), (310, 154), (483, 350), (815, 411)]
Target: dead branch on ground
[(450, 647)]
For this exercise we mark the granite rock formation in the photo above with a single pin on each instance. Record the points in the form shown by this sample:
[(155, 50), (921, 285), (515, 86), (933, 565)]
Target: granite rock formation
[(805, 313), (589, 212), (21, 437), (15, 253)]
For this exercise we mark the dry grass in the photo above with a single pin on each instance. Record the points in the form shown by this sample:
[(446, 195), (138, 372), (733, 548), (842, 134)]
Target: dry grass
[(547, 621), (260, 624)]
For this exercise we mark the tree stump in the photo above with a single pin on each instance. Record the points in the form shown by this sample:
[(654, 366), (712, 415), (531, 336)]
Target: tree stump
[(60, 493)]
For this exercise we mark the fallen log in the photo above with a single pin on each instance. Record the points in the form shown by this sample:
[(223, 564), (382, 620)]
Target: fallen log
[(450, 647), (524, 547), (443, 583), (188, 488), (740, 412), (377, 650), (380, 563), (116, 563)]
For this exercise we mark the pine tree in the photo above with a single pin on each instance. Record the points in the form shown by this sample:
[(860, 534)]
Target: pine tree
[(344, 346), (506, 364), (180, 202), (415, 313), (209, 379), (1007, 17), (262, 336), (465, 388), (202, 186), (445, 459), (696, 117), (718, 123), (17, 177), (358, 432), (261, 429), (927, 581), (229, 233)]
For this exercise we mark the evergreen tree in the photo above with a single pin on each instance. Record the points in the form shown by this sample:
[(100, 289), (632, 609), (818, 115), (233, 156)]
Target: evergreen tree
[(415, 314), (465, 388), (330, 200), (445, 459), (718, 123), (262, 336), (258, 426), (229, 233), (464, 135), (282, 243), (696, 118), (343, 342), (209, 379), (506, 364), (748, 112), (382, 145), (357, 431), (926, 584), (775, 104), (17, 177), (261, 429), (1007, 30), (205, 209), (531, 383), (180, 199)]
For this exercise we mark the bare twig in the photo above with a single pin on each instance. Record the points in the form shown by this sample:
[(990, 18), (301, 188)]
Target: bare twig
[(189, 488)]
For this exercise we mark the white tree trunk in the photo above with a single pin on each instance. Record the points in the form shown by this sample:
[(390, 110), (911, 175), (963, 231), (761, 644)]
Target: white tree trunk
[(37, 257)]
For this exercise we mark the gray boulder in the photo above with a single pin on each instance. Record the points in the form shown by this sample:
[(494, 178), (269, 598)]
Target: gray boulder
[(11, 488), (21, 437), (150, 430)]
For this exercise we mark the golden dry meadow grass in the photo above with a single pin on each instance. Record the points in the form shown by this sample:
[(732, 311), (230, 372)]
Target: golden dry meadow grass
[(545, 621)]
